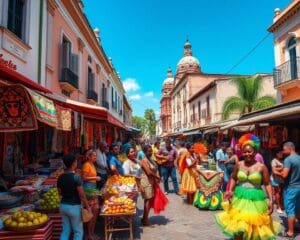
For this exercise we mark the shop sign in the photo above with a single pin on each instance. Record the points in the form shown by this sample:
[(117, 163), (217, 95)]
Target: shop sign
[(7, 63)]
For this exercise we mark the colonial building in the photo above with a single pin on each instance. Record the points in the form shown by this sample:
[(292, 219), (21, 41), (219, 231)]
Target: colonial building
[(49, 47), (196, 97), (165, 103), (286, 31), (206, 105), (189, 79)]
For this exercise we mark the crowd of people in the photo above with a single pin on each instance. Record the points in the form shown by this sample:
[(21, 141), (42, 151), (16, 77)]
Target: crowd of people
[(249, 187)]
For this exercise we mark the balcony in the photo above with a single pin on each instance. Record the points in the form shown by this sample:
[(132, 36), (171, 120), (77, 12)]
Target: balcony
[(287, 75), (69, 80), (105, 104), (92, 97)]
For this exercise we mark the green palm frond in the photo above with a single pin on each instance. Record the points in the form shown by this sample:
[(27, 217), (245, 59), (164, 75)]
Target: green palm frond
[(256, 87), (241, 87), (264, 102), (233, 104)]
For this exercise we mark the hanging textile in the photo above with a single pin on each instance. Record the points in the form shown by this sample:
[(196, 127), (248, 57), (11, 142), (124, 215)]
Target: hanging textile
[(44, 108), (64, 118), (16, 110)]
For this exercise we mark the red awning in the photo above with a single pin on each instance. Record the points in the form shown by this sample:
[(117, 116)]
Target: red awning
[(112, 120), (15, 77), (88, 111)]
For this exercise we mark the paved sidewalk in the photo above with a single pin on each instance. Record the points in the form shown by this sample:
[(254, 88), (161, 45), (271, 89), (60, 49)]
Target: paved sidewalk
[(179, 222)]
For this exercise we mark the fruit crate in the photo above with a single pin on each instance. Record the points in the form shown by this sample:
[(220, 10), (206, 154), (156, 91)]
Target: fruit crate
[(43, 233)]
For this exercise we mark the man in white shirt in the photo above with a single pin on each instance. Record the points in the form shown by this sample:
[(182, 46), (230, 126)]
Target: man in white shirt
[(101, 163), (221, 157)]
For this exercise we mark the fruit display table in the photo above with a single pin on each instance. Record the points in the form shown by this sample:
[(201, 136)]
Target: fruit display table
[(118, 222), (209, 194), (119, 207), (44, 233)]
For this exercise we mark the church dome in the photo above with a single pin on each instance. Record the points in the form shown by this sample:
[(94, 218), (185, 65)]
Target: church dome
[(170, 78), (188, 62)]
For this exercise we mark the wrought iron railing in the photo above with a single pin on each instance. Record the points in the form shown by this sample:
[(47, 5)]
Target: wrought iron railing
[(69, 77), (91, 94), (287, 71)]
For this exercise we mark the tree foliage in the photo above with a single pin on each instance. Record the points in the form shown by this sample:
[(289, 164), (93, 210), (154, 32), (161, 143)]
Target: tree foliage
[(150, 122), (248, 99), (138, 122)]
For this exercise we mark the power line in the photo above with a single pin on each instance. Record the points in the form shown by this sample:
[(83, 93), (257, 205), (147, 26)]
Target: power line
[(249, 53)]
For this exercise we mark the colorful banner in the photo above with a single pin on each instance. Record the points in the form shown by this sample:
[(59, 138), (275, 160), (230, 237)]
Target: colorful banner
[(45, 109), (64, 118), (16, 110)]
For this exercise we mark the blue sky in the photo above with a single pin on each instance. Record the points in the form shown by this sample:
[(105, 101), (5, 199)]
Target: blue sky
[(145, 37)]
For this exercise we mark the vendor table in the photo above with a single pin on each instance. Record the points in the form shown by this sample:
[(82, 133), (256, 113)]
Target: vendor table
[(111, 220), (44, 233)]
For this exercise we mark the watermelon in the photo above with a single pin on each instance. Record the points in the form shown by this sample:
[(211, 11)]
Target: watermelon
[(216, 201), (203, 201)]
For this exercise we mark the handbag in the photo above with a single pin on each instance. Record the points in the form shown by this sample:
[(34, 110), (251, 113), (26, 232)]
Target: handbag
[(86, 215)]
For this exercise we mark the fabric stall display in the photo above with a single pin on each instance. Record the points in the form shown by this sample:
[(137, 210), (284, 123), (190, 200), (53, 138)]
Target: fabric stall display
[(278, 134), (88, 130), (209, 194), (109, 136), (44, 108), (16, 110), (97, 132), (64, 118)]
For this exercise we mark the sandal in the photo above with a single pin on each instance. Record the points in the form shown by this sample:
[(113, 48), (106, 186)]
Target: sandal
[(287, 236)]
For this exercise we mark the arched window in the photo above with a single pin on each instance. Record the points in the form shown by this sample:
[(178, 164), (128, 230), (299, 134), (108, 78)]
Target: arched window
[(292, 43)]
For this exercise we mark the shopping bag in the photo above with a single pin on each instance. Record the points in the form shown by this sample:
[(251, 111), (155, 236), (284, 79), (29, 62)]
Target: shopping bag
[(86, 215), (160, 200)]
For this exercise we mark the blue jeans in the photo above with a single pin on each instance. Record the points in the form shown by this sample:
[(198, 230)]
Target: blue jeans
[(71, 221), (169, 172), (291, 199)]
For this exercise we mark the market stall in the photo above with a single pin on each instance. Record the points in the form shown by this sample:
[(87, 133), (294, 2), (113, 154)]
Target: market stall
[(119, 208)]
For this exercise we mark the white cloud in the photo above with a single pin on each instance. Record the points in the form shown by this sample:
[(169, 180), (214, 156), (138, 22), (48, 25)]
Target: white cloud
[(135, 97), (130, 84), (149, 94)]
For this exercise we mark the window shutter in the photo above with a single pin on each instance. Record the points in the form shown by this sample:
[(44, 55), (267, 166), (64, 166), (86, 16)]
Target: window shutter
[(66, 50), (93, 81), (74, 63)]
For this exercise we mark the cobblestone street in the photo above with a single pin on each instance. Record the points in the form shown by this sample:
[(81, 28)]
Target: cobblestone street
[(179, 222)]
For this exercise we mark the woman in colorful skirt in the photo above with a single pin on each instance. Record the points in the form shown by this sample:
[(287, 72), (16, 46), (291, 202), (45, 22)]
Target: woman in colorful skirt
[(247, 214), (188, 180)]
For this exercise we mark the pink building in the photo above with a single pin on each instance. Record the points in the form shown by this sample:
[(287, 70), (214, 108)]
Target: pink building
[(165, 103)]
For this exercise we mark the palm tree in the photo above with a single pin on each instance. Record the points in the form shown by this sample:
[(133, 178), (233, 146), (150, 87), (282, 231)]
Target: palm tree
[(248, 99)]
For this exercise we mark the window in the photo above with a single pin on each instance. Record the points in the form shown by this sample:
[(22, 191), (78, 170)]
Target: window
[(199, 110), (16, 17), (112, 97), (89, 59), (91, 79), (293, 57), (69, 60), (104, 92), (207, 107)]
